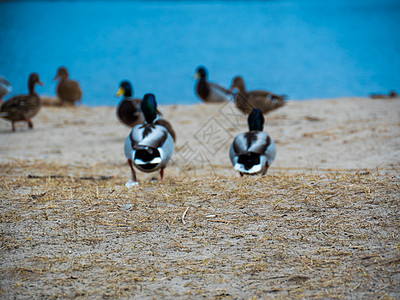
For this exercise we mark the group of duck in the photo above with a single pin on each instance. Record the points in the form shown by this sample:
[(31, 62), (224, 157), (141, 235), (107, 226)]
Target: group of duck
[(22, 108), (151, 141), (245, 101)]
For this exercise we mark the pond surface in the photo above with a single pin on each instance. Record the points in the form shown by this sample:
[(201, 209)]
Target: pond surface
[(302, 48)]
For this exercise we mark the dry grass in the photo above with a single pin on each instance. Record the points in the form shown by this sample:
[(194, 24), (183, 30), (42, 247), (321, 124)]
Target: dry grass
[(300, 235)]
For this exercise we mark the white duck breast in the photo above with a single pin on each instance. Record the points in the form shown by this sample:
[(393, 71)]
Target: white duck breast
[(149, 146), (252, 152)]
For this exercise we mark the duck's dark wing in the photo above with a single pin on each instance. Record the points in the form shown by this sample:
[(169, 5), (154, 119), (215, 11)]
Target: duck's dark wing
[(266, 94), (20, 107), (263, 100), (13, 103)]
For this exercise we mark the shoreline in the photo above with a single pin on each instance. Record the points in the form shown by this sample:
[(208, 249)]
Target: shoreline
[(52, 101)]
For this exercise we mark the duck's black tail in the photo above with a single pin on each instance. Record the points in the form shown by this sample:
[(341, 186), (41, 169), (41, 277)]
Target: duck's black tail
[(147, 158)]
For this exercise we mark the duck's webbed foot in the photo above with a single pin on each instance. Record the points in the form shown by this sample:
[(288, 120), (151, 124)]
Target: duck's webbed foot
[(131, 184)]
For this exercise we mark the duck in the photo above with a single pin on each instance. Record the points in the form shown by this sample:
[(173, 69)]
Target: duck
[(23, 107), (254, 151), (5, 88), (207, 91), (392, 95), (68, 91), (128, 110), (149, 146), (245, 100)]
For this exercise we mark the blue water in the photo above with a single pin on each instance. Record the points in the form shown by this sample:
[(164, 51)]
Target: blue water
[(302, 48)]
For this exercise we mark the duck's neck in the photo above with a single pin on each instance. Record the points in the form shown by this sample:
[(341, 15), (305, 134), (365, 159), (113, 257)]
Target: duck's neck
[(128, 95), (256, 120), (241, 98), (241, 87), (149, 113), (256, 125), (31, 88), (63, 79)]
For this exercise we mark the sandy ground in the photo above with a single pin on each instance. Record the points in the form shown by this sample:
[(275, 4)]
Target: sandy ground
[(331, 134), (324, 222)]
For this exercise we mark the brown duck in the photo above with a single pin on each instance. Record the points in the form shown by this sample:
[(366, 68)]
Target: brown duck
[(23, 107), (247, 100), (68, 91), (128, 110)]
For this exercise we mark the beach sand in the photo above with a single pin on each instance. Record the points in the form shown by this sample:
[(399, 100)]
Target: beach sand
[(339, 134), (324, 221)]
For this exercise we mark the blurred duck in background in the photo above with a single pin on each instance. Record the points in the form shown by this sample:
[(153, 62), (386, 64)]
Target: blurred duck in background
[(23, 107), (208, 91), (254, 151), (247, 100), (68, 91), (149, 146), (392, 94), (5, 88), (128, 110)]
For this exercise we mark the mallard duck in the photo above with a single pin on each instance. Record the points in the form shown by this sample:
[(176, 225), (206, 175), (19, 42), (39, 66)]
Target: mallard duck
[(208, 91), (392, 94), (150, 145), (5, 88), (68, 91), (128, 110), (23, 107), (254, 151), (246, 101)]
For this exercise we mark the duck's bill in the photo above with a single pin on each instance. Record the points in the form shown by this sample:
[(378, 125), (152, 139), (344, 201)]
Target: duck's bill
[(120, 92)]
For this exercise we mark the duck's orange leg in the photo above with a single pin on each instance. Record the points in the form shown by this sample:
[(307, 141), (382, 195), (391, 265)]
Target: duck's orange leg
[(133, 170), (266, 168), (30, 124)]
